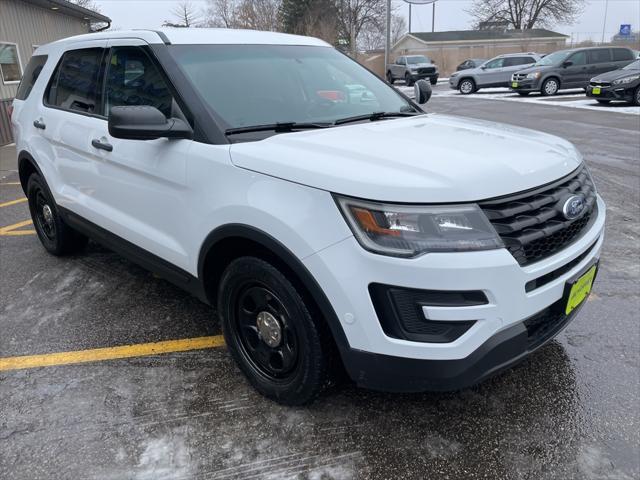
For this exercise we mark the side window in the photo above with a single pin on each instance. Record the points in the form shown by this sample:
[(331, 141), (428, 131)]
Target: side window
[(622, 54), (9, 63), (400, 61), (30, 76), (75, 84), (579, 58), (133, 79), (497, 63), (528, 60), (599, 55), (514, 61)]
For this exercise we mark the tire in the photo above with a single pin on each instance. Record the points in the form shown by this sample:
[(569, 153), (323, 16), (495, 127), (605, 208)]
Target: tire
[(524, 94), (280, 346), (434, 81), (550, 87), (56, 236), (636, 97), (603, 102), (390, 78), (467, 86), (408, 80)]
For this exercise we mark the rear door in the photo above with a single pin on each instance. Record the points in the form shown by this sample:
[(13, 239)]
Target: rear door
[(513, 64), (600, 61), (69, 117)]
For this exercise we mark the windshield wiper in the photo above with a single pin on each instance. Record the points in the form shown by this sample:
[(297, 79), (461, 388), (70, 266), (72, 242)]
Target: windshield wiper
[(376, 116), (277, 127)]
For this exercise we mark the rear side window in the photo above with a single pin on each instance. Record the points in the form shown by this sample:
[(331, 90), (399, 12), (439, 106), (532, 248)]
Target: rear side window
[(75, 85), (622, 54), (513, 61), (133, 79), (30, 76), (599, 55)]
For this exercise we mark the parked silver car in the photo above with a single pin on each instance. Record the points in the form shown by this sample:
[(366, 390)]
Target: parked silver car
[(412, 68), (492, 73)]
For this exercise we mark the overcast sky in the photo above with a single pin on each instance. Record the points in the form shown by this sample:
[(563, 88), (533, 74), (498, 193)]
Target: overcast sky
[(450, 15)]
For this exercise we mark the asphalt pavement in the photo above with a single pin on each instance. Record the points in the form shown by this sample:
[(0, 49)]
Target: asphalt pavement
[(570, 411)]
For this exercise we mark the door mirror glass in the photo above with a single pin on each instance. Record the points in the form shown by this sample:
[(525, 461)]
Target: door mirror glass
[(145, 123), (423, 92), (567, 63)]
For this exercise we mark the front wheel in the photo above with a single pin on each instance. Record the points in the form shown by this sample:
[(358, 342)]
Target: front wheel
[(604, 102), (524, 94), (636, 97), (55, 235), (467, 86), (550, 87), (433, 81), (408, 80), (281, 347)]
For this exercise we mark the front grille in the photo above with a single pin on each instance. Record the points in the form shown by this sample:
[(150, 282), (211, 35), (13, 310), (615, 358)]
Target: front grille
[(518, 76), (600, 84), (532, 225), (427, 70)]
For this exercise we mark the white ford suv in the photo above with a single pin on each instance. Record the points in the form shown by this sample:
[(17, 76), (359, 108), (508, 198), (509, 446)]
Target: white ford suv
[(275, 178)]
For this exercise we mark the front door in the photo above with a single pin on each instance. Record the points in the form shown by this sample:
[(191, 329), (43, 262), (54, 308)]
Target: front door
[(578, 73), (141, 186), (491, 74)]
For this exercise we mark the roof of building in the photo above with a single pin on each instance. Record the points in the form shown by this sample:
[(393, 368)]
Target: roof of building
[(478, 35), (71, 9), (199, 36)]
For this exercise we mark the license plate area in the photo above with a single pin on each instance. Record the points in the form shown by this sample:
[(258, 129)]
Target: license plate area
[(578, 288), (514, 84), (596, 91)]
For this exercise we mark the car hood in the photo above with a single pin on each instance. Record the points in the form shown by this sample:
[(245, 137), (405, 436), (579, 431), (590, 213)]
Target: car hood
[(615, 75), (538, 68), (430, 158), (421, 65)]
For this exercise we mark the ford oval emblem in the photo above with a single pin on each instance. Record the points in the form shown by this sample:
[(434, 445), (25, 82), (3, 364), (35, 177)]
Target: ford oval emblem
[(574, 206)]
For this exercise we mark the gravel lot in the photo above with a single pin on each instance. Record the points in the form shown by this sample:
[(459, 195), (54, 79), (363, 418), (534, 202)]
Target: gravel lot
[(571, 411)]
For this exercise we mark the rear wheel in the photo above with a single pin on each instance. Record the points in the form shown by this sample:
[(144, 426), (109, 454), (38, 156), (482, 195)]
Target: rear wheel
[(390, 78), (283, 350), (467, 86), (55, 235), (550, 87)]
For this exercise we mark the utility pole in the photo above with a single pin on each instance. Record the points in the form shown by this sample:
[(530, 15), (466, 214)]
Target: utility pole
[(433, 17), (604, 24), (387, 45), (410, 18)]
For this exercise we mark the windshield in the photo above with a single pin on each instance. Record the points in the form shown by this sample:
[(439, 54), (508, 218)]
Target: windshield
[(554, 58), (251, 85), (633, 66), (417, 59)]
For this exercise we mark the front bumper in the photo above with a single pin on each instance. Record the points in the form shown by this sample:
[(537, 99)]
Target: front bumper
[(424, 76), (612, 93), (498, 336), (527, 85)]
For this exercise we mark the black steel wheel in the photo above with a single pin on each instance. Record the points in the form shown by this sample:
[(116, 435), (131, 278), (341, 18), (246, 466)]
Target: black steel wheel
[(390, 78), (283, 349), (55, 235), (408, 80)]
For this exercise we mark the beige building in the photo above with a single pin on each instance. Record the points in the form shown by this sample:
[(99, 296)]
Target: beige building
[(25, 24), (449, 49)]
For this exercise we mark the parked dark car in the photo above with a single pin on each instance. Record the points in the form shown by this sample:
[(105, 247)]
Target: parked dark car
[(570, 69), (623, 84), (471, 63)]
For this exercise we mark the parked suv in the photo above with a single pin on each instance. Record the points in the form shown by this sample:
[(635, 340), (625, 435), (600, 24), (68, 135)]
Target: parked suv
[(492, 73), (411, 68), (570, 69), (300, 209)]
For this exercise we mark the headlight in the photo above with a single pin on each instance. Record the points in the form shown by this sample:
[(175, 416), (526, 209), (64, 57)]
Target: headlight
[(623, 81), (414, 70), (533, 75), (412, 230)]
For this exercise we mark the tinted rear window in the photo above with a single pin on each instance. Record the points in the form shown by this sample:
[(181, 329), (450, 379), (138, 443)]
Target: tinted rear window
[(599, 55), (75, 84), (30, 76), (621, 54)]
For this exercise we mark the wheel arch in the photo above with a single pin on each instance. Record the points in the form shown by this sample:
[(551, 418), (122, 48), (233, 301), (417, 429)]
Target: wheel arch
[(27, 165), (555, 76), (228, 242)]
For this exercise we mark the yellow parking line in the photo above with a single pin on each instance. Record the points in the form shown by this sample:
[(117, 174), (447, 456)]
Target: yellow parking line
[(110, 353), (10, 230), (13, 202)]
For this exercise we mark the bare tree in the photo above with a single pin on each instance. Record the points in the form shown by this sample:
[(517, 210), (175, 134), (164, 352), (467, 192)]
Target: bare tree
[(527, 14), (187, 15), (251, 14), (372, 36), (88, 4), (355, 15)]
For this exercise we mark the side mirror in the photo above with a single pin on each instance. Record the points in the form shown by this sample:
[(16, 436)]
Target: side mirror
[(483, 67), (423, 91), (566, 64), (145, 123)]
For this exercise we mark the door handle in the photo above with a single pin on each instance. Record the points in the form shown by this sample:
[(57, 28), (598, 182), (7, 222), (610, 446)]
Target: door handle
[(39, 124), (101, 145)]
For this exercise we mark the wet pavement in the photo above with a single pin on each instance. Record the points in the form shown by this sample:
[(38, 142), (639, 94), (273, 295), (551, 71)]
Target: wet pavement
[(570, 411)]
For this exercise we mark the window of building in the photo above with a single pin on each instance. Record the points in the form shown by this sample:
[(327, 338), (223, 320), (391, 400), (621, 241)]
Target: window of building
[(10, 68)]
